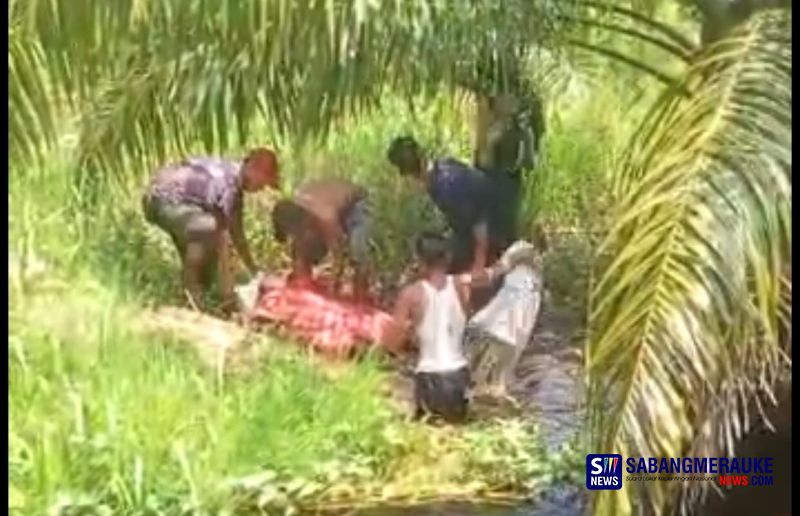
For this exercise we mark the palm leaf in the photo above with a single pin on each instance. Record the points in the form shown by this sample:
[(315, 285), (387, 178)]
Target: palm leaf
[(28, 100), (206, 70), (687, 324)]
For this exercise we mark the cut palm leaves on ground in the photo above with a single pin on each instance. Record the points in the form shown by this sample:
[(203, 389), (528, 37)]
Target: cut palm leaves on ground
[(687, 319)]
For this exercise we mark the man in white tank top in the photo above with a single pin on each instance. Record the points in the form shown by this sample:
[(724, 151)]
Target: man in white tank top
[(432, 311)]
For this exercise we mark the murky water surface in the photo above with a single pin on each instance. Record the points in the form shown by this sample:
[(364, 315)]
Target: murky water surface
[(549, 389)]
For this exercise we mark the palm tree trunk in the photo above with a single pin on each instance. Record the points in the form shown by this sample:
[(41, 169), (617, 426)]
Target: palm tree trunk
[(481, 122), (492, 114)]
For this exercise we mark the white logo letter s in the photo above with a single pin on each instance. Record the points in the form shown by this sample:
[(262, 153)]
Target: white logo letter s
[(596, 466)]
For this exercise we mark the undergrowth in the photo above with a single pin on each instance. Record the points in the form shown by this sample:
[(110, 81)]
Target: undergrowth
[(104, 419)]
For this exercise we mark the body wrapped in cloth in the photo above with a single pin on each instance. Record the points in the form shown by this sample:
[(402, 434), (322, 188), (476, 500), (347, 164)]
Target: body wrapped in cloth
[(331, 325), (497, 335)]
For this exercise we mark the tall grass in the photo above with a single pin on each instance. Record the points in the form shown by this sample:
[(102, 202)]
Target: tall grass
[(105, 416)]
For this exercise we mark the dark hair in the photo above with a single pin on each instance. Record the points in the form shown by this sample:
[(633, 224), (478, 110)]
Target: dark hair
[(433, 249), (405, 153)]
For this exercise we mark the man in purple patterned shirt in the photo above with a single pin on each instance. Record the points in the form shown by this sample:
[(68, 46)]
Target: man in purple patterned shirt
[(198, 202)]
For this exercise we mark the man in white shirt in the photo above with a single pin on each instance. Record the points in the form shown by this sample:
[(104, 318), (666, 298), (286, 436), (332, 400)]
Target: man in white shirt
[(432, 311)]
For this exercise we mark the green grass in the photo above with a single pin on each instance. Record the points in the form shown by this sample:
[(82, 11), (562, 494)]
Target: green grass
[(102, 416), (98, 410), (105, 416)]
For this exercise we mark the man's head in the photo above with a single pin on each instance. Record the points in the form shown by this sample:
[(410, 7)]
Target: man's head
[(290, 220), (405, 153), (260, 169), (433, 250)]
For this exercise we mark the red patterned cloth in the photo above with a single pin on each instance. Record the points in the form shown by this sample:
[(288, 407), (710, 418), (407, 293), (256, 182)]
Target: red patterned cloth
[(335, 326)]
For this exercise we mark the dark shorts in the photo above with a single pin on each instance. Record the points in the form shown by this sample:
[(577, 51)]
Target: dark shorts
[(503, 219), (501, 224), (186, 224), (358, 227), (462, 247), (442, 395)]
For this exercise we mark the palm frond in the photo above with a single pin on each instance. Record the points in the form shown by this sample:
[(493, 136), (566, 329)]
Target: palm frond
[(639, 22), (207, 69), (687, 320), (30, 110), (629, 32)]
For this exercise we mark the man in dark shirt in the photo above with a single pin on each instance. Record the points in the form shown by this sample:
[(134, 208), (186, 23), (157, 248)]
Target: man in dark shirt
[(464, 194), (199, 203), (327, 214), (512, 142)]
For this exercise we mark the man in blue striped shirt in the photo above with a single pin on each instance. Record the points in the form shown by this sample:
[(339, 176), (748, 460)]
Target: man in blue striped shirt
[(199, 202)]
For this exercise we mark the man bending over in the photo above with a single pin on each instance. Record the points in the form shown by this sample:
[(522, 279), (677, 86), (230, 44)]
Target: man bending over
[(198, 202), (326, 215), (464, 194)]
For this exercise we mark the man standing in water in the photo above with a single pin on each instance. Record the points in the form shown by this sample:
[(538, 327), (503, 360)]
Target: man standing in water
[(432, 312), (198, 202)]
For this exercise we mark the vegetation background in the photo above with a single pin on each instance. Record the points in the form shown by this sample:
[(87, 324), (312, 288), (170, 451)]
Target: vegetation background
[(634, 189)]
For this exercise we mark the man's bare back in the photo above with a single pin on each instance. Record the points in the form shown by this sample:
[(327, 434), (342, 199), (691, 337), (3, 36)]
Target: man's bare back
[(328, 199), (336, 214)]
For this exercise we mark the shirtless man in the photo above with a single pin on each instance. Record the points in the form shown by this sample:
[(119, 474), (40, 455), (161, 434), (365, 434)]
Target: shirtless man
[(432, 311), (326, 215)]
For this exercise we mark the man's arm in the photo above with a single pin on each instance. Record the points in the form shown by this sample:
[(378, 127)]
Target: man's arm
[(225, 272), (402, 320), (236, 229), (479, 278), (480, 251), (519, 253)]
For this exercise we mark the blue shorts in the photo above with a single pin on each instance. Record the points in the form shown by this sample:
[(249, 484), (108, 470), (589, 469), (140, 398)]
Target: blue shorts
[(358, 227)]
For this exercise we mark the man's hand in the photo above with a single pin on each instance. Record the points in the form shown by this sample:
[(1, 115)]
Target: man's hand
[(237, 236), (395, 337), (402, 320)]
